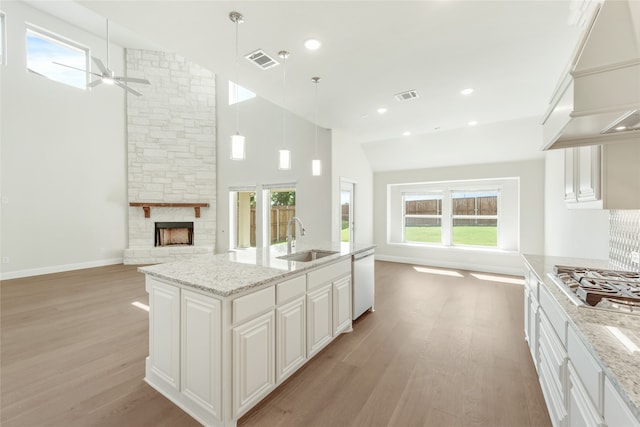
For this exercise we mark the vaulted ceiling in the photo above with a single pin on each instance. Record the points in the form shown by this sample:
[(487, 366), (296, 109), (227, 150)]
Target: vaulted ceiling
[(511, 52)]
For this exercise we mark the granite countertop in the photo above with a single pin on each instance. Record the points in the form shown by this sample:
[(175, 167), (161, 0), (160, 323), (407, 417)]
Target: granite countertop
[(240, 270), (619, 363)]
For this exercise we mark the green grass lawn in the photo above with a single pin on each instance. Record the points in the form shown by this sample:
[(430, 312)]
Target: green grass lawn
[(344, 234), (462, 235)]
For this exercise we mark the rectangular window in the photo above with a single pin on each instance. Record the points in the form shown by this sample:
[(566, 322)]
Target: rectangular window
[(3, 39), (474, 218), (423, 218), (45, 53), (238, 94), (282, 209), (472, 214)]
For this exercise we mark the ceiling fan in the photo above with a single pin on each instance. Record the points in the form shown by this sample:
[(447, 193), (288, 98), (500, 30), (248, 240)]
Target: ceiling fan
[(107, 75)]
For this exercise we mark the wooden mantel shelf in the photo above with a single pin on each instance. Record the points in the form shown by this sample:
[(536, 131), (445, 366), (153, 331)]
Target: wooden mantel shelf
[(146, 206)]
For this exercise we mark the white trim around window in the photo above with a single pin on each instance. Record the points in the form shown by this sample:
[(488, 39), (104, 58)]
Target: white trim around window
[(432, 224)]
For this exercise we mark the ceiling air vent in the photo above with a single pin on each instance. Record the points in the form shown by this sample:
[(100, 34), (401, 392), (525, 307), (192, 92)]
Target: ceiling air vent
[(261, 59), (405, 96)]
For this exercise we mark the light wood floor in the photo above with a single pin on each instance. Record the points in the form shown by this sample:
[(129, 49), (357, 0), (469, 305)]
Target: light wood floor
[(439, 351)]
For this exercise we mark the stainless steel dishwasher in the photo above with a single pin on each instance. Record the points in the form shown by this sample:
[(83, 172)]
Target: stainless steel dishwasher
[(363, 272)]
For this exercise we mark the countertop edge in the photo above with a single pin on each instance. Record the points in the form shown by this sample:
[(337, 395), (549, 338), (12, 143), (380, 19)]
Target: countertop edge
[(271, 274)]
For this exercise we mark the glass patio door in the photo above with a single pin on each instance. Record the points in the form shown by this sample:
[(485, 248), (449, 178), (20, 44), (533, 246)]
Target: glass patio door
[(347, 226)]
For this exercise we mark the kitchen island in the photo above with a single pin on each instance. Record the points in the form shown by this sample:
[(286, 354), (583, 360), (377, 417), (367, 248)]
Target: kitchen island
[(587, 359), (225, 330)]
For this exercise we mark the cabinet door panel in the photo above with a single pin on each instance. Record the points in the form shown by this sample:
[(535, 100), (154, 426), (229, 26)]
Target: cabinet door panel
[(164, 331), (319, 319), (201, 346), (616, 411), (253, 361), (570, 176), (291, 338), (341, 305), (589, 173), (582, 412)]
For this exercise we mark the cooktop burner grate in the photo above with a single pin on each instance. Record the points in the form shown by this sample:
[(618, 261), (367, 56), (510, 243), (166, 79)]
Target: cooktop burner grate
[(613, 290)]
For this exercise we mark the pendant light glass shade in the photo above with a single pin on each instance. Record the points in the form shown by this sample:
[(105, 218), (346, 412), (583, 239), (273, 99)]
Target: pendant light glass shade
[(237, 140), (285, 160), (316, 167), (237, 147)]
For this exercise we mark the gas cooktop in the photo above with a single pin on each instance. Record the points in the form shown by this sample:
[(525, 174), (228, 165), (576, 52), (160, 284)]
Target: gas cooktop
[(603, 289)]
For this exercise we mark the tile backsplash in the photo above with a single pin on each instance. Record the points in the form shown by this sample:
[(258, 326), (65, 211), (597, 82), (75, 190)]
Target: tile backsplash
[(624, 239)]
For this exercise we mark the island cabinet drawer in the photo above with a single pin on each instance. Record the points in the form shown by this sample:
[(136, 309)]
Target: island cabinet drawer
[(588, 370), (251, 305), (328, 274), (616, 411), (556, 316), (290, 289)]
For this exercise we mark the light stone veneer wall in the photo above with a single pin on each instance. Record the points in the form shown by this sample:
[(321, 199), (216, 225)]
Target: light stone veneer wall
[(171, 152), (624, 238)]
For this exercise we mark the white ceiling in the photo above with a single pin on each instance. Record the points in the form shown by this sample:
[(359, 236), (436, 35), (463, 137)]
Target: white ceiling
[(511, 52)]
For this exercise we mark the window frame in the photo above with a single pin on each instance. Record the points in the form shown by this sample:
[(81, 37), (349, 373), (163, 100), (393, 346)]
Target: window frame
[(405, 215), (496, 217), (55, 38), (507, 216)]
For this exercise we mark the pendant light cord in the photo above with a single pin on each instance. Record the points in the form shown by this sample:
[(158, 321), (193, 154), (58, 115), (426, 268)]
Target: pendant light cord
[(317, 79), (236, 82), (284, 98)]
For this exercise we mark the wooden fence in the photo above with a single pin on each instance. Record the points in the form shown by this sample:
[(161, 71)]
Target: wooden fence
[(280, 216)]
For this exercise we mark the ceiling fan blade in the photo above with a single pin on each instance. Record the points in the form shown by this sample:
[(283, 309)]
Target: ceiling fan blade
[(127, 88), (78, 69), (94, 83), (132, 80), (100, 65)]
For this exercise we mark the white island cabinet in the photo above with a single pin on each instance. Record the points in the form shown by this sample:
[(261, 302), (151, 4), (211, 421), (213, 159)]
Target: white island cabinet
[(583, 372), (216, 352)]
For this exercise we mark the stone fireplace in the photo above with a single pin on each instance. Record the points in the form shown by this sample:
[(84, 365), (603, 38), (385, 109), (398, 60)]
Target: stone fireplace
[(171, 141)]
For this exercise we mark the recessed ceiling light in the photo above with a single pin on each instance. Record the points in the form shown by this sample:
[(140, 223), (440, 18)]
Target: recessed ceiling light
[(467, 91), (406, 133), (312, 44), (472, 123), (381, 110), (621, 128)]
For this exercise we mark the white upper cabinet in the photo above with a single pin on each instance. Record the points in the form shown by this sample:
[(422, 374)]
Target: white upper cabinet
[(603, 176)]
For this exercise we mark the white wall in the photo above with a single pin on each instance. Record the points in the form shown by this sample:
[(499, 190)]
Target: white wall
[(261, 125), (501, 142), (63, 160), (531, 174), (581, 233), (350, 162)]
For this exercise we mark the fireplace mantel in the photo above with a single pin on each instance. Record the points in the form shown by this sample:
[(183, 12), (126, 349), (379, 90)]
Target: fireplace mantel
[(146, 206)]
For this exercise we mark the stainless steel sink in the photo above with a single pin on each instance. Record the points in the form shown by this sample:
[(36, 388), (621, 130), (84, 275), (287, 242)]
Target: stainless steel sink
[(307, 256)]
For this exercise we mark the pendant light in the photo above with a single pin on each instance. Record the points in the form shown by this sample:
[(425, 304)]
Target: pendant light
[(237, 140), (316, 164), (285, 155)]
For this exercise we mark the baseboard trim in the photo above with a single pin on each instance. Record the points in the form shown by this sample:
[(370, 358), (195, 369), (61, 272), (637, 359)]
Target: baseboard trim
[(482, 268), (58, 268)]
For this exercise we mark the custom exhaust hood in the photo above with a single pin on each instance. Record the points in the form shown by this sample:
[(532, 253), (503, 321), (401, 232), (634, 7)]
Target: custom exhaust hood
[(598, 99)]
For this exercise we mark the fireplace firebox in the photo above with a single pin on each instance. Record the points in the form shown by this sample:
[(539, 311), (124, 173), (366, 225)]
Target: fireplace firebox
[(173, 234)]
